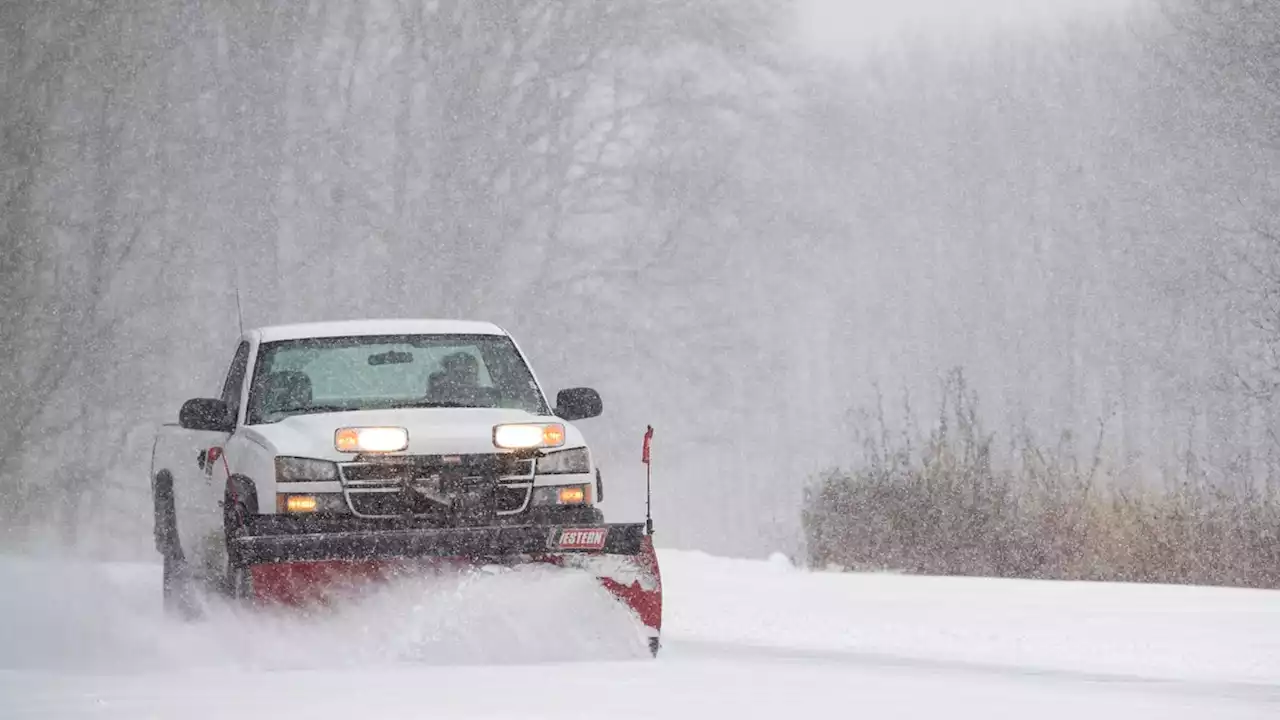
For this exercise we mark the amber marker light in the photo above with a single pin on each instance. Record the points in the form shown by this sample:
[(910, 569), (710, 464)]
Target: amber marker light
[(553, 435)]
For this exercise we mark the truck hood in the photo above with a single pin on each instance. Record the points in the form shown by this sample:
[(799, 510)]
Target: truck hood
[(432, 431)]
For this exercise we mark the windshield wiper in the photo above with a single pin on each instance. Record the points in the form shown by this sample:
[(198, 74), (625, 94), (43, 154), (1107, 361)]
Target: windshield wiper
[(308, 409), (434, 404)]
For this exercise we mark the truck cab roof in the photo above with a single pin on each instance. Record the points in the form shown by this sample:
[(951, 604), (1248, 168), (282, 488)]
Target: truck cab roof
[(390, 326)]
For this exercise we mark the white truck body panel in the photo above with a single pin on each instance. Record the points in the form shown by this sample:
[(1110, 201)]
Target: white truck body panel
[(178, 450)]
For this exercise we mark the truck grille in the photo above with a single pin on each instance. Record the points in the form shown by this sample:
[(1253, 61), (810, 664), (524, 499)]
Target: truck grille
[(456, 490)]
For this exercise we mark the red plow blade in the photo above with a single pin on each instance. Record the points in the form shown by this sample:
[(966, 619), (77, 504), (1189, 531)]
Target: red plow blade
[(290, 572)]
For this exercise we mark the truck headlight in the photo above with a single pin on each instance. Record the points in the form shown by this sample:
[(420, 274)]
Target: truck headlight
[(565, 462), (371, 439), (527, 436), (295, 469)]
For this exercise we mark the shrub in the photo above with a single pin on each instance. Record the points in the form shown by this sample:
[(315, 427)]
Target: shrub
[(942, 507)]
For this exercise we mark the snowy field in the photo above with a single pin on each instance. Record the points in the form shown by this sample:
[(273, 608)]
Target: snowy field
[(744, 639)]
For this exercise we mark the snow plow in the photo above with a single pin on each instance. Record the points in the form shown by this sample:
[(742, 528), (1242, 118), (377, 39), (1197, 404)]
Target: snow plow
[(341, 455)]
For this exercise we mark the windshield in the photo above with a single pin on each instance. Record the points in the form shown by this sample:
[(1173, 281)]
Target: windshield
[(294, 377)]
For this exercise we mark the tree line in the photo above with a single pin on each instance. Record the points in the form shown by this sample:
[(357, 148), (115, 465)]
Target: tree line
[(736, 239)]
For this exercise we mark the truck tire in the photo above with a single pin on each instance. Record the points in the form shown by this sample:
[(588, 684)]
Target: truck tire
[(166, 518), (239, 581), (176, 582)]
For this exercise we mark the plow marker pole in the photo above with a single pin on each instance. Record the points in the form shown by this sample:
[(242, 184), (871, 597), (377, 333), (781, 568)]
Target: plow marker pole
[(648, 481)]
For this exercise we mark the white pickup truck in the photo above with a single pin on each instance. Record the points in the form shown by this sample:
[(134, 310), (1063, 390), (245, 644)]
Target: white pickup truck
[(377, 440)]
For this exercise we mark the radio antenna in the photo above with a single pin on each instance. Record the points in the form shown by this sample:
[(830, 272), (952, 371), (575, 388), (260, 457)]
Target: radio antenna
[(239, 310), (235, 285)]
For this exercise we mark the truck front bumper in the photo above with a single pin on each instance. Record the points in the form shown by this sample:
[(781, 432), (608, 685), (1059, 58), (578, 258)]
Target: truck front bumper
[(277, 538)]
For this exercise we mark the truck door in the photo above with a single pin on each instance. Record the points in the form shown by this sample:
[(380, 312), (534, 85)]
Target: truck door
[(198, 499)]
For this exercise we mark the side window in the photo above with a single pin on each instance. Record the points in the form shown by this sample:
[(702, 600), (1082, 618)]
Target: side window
[(235, 379)]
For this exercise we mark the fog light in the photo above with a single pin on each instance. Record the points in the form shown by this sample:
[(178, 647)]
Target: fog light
[(562, 495), (297, 503), (573, 495)]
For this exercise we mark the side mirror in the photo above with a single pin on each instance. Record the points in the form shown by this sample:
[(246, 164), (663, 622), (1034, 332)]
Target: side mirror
[(578, 404), (206, 414)]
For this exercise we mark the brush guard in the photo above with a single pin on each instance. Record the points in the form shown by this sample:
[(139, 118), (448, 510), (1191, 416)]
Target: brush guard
[(295, 568)]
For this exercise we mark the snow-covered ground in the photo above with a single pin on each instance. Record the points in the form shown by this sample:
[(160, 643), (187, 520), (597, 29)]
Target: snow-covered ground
[(744, 639)]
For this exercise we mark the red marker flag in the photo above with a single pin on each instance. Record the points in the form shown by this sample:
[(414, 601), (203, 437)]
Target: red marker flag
[(648, 436)]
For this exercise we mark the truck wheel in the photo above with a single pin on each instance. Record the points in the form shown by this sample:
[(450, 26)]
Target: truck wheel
[(166, 518), (176, 582), (239, 581)]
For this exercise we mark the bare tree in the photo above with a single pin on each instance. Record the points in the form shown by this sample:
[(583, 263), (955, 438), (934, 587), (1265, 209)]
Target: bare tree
[(39, 323)]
